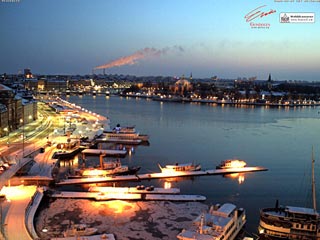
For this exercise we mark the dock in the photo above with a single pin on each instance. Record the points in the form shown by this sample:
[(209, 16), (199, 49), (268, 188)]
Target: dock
[(106, 196), (107, 152), (119, 140), (148, 176), (104, 236), (135, 190)]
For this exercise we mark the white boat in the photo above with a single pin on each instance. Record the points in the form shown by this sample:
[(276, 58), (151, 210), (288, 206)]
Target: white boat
[(291, 222), (112, 167), (79, 230), (180, 167), (231, 163), (221, 222), (125, 135)]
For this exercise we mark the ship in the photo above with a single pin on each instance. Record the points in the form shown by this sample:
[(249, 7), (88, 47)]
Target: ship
[(289, 222), (221, 222)]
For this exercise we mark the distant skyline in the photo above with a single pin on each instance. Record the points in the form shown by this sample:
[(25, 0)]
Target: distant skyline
[(168, 38)]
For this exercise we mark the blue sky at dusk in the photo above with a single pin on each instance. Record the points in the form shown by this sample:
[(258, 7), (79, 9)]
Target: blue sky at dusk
[(206, 38)]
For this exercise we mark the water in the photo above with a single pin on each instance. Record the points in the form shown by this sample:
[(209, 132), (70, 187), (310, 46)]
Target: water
[(279, 139)]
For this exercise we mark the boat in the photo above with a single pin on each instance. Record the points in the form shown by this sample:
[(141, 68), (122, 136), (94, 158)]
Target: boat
[(125, 133), (180, 167), (77, 230), (231, 163), (289, 222), (109, 168), (221, 222)]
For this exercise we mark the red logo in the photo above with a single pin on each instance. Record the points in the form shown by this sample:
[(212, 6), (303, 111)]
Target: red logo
[(256, 14)]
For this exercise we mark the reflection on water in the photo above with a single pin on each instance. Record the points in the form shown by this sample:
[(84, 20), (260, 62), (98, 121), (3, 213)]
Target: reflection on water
[(239, 176)]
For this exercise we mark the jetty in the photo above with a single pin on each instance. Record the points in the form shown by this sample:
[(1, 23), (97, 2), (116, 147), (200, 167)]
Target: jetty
[(148, 176), (105, 196), (138, 189), (119, 140), (107, 152)]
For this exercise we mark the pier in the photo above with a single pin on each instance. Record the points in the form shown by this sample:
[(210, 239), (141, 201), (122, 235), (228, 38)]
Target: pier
[(107, 152), (148, 176), (136, 190), (119, 140), (105, 196)]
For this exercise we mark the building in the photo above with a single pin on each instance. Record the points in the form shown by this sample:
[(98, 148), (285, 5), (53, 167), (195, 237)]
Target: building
[(15, 111)]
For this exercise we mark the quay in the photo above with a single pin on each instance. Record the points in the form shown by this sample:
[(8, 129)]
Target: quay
[(148, 176), (107, 152), (104, 196)]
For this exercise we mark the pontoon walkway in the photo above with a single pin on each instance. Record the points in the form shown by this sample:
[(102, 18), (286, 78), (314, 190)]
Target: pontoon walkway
[(159, 175)]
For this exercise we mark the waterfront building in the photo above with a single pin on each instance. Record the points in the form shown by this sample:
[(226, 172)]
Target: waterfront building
[(15, 111)]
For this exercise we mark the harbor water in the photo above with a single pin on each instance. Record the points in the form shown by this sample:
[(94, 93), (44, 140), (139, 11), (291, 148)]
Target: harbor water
[(280, 139)]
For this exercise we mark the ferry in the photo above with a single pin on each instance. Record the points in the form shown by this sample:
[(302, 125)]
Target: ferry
[(125, 133), (221, 222), (288, 222), (180, 167), (231, 163), (79, 230)]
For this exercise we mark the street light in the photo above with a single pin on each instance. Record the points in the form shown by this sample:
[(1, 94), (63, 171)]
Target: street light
[(21, 121), (7, 132)]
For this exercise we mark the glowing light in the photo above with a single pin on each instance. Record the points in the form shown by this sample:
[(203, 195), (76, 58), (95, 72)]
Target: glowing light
[(241, 179), (18, 192), (167, 185), (119, 206)]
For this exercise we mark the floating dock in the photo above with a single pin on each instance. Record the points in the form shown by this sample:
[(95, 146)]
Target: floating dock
[(104, 236), (119, 140), (135, 190), (105, 196), (148, 176), (107, 152)]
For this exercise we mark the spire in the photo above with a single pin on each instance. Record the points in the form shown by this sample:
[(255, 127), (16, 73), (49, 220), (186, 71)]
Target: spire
[(269, 78), (191, 76)]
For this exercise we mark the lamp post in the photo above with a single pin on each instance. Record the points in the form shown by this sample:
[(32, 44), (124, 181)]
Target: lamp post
[(21, 121), (7, 132)]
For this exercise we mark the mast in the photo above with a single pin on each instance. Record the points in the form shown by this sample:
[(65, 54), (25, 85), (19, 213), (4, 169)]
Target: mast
[(313, 185)]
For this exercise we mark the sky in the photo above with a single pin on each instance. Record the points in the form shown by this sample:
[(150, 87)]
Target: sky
[(168, 37)]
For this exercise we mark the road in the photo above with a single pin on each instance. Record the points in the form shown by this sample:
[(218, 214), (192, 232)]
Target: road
[(19, 198)]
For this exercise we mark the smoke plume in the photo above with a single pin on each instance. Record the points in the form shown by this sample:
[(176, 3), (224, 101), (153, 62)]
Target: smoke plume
[(133, 59)]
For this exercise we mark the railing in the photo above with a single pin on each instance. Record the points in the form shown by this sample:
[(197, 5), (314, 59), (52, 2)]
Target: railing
[(30, 212)]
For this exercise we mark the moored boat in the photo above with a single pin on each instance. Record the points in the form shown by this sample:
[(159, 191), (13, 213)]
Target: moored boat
[(109, 168), (231, 163), (291, 222), (126, 135), (180, 167), (221, 222)]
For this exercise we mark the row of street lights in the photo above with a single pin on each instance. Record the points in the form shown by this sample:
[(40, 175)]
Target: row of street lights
[(6, 130)]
